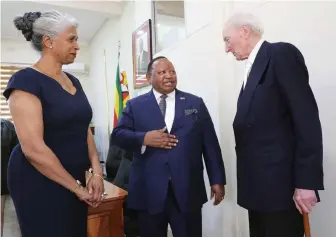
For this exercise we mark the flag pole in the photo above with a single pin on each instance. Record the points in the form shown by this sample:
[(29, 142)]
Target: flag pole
[(118, 50), (107, 97)]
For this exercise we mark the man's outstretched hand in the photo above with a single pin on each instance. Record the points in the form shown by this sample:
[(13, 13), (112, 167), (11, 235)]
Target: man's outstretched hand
[(160, 139)]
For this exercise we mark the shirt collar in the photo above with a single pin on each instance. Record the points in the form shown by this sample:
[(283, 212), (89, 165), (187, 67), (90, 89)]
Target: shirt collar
[(253, 55), (158, 94)]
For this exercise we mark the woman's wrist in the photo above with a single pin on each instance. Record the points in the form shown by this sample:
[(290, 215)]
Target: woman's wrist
[(96, 170), (96, 166), (77, 188), (98, 175)]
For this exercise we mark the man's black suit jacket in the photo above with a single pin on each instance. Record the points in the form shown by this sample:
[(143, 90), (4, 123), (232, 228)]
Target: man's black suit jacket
[(277, 131), (9, 140)]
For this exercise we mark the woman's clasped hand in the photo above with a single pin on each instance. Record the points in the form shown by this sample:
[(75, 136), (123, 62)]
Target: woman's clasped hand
[(93, 193)]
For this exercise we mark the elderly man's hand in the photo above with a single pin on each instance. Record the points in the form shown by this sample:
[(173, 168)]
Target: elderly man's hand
[(304, 200)]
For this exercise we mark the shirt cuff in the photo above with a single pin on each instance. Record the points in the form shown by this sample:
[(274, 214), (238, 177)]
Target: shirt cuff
[(143, 149)]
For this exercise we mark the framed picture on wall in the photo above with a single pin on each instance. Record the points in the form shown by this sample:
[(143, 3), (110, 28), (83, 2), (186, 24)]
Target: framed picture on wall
[(142, 53)]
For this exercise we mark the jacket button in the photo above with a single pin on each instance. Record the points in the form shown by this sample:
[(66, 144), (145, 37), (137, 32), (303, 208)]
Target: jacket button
[(249, 125)]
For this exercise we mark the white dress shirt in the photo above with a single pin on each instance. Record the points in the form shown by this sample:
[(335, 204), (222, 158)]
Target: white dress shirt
[(170, 111), (250, 60)]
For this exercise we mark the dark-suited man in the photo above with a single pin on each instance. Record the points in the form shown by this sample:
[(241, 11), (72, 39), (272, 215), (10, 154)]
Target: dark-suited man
[(277, 130), (169, 131)]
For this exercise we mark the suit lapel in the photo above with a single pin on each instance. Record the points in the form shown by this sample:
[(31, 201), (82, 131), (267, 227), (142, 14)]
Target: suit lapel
[(154, 114), (180, 105), (240, 94), (255, 75)]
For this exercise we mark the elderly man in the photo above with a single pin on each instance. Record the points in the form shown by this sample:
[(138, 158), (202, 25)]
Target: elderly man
[(277, 131), (169, 131)]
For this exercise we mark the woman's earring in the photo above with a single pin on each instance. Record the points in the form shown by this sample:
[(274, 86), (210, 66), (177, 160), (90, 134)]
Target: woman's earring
[(51, 47)]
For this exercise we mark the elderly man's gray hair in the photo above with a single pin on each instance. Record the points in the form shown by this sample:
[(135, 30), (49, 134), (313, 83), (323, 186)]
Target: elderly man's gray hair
[(246, 19)]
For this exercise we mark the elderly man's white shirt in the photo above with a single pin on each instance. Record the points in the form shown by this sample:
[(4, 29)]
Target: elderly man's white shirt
[(250, 60)]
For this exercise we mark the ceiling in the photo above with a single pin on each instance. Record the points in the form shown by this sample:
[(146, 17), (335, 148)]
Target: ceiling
[(91, 16), (170, 8)]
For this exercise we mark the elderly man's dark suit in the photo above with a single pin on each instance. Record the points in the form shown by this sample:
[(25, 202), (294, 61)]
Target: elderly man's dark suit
[(278, 133)]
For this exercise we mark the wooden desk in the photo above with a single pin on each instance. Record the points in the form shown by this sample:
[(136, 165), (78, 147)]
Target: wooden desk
[(107, 220)]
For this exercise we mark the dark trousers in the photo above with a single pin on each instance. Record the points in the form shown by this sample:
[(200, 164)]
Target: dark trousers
[(276, 224), (182, 225)]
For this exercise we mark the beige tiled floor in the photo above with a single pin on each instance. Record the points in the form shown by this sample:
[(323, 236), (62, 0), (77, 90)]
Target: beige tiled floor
[(11, 225)]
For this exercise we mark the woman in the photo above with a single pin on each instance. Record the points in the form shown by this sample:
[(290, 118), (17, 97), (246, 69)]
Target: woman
[(51, 115)]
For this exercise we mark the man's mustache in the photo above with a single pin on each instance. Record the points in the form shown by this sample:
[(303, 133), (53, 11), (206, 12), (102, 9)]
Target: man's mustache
[(169, 80)]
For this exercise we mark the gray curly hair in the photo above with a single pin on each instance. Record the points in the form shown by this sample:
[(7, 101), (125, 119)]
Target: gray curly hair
[(34, 25)]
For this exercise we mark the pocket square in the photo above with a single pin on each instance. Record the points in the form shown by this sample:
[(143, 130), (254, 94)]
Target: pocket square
[(190, 111)]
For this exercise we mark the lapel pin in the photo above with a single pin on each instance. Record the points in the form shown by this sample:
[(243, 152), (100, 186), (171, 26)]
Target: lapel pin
[(182, 98)]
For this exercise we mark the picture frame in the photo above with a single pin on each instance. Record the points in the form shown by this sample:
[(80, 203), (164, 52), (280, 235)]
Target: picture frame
[(142, 53)]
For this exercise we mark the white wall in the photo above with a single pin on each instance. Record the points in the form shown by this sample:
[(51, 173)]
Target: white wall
[(103, 50), (169, 29), (21, 52), (103, 73), (205, 70)]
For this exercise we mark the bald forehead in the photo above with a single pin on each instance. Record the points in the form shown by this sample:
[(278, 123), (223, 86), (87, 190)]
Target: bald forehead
[(163, 62), (228, 29)]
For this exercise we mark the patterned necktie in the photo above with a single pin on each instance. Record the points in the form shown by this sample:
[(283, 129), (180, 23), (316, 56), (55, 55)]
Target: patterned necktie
[(163, 105)]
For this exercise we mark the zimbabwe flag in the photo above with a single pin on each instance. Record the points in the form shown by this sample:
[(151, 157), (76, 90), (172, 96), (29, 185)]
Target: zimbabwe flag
[(121, 95)]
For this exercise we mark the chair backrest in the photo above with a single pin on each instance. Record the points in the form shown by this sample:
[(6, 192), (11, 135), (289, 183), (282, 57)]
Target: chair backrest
[(113, 160), (9, 138), (8, 141)]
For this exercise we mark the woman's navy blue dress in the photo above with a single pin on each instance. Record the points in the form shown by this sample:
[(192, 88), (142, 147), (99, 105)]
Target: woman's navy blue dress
[(45, 208)]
